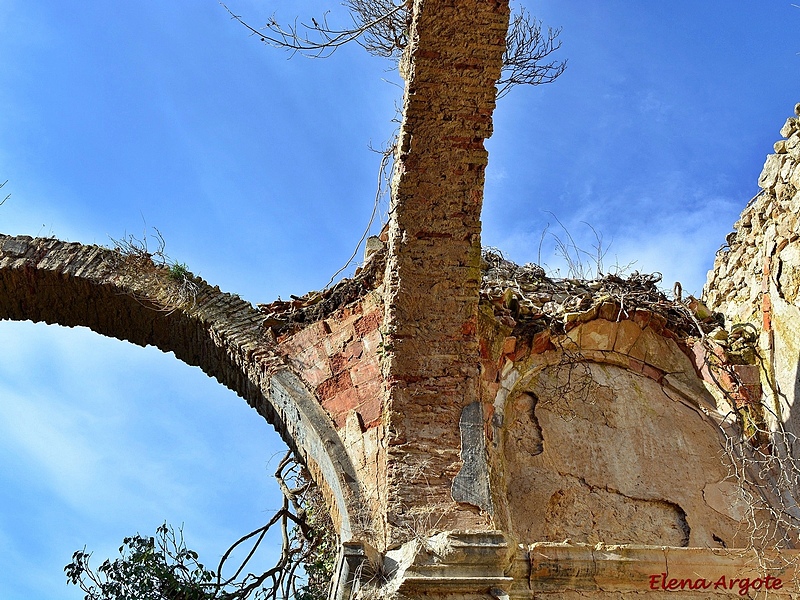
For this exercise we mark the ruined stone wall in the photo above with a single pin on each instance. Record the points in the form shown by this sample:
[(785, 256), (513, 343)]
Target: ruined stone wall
[(770, 223), (339, 359), (756, 276)]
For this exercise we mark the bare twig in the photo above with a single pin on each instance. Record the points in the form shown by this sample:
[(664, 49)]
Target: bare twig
[(381, 27), (382, 188), (527, 49), (301, 540), (3, 201), (375, 21)]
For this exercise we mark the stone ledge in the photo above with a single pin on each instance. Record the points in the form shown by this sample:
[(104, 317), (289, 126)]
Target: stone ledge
[(607, 568), (475, 564)]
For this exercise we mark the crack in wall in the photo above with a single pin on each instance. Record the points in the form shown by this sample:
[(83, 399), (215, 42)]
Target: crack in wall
[(590, 513)]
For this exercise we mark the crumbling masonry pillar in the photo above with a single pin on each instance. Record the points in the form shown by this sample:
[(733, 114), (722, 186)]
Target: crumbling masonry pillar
[(433, 265)]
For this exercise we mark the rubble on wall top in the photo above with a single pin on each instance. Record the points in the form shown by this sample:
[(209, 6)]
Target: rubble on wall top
[(520, 296), (287, 316), (525, 296)]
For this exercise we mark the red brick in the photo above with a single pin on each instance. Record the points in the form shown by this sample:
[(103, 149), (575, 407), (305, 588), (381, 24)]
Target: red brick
[(339, 405), (635, 364), (338, 363), (347, 314), (542, 343), (313, 365), (653, 373), (333, 386), (338, 339), (372, 341), (750, 390), (369, 322), (369, 389), (353, 351), (305, 338), (645, 369), (370, 411), (364, 372)]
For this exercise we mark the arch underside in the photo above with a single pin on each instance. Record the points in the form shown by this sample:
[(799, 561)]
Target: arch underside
[(128, 297)]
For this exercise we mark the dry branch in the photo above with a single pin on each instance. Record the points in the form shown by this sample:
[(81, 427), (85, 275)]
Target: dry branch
[(381, 27)]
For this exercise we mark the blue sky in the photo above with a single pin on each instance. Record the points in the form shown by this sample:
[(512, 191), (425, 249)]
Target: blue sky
[(117, 117)]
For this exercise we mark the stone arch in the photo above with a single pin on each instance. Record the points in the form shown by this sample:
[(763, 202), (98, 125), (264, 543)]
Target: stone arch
[(130, 298)]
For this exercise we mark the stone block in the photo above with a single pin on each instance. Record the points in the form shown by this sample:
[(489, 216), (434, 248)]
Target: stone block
[(340, 404), (370, 402), (341, 335), (787, 169), (333, 386), (789, 127), (627, 334), (305, 338), (689, 386), (771, 171), (610, 311), (794, 178), (542, 343), (353, 351), (648, 371), (365, 371), (598, 335), (659, 352), (338, 363), (372, 342)]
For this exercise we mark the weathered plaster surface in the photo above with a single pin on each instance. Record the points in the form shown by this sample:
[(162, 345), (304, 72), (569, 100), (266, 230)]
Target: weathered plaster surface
[(620, 461)]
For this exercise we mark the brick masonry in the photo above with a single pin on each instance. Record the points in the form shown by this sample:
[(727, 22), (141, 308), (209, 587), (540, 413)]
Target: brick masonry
[(433, 265), (339, 358)]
